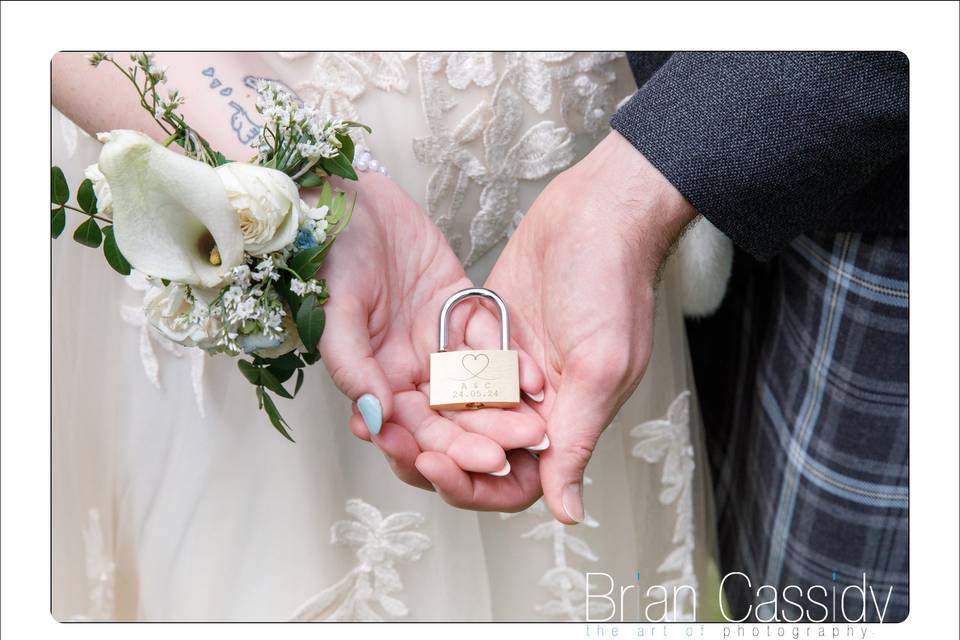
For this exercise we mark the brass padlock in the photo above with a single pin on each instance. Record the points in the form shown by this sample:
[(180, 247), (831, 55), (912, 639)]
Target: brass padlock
[(474, 379)]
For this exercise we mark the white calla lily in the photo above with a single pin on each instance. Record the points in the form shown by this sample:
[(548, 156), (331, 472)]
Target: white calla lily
[(169, 212)]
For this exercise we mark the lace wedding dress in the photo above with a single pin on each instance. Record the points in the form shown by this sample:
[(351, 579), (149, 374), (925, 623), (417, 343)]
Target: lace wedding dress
[(173, 499)]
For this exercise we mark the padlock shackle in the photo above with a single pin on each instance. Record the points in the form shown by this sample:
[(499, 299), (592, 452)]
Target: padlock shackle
[(477, 292)]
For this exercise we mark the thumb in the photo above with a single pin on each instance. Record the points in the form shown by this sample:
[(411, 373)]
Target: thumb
[(574, 425), (348, 356)]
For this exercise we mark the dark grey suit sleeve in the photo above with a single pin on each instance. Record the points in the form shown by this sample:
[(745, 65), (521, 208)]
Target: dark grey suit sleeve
[(771, 145)]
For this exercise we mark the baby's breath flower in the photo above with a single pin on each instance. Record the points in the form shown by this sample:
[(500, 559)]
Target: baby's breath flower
[(97, 57), (302, 288)]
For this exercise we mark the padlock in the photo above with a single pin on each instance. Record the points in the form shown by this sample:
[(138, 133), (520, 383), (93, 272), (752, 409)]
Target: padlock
[(474, 379)]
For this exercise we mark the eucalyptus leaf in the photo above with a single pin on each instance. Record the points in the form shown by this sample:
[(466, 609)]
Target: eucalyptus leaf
[(89, 234), (275, 418), (271, 382), (250, 371), (296, 388), (86, 197), (310, 322), (112, 252), (59, 190), (58, 221)]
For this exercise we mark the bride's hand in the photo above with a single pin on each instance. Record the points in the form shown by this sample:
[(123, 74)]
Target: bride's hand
[(388, 275), (579, 275)]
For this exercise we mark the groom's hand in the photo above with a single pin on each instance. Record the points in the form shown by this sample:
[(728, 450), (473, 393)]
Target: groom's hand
[(579, 276)]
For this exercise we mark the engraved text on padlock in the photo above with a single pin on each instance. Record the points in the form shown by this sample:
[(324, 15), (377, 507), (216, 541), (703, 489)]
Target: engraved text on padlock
[(479, 378)]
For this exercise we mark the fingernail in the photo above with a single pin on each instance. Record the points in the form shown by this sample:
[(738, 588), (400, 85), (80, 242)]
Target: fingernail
[(504, 471), (372, 413), (543, 444), (536, 397), (572, 499)]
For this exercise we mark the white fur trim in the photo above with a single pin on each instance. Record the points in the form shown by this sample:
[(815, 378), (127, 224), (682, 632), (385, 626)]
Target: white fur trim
[(704, 257)]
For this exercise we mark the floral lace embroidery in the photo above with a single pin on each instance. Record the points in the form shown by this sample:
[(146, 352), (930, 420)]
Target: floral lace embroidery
[(667, 440), (490, 147), (566, 584), (134, 316), (507, 152), (381, 542), (340, 78)]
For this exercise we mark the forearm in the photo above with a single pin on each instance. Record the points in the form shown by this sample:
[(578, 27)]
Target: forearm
[(218, 88)]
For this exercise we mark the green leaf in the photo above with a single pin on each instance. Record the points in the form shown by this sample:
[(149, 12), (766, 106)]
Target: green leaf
[(112, 252), (310, 322), (346, 146), (339, 165), (88, 233), (310, 180), (250, 371), (220, 159), (271, 382), (326, 195), (165, 282), (59, 190), (86, 197), (281, 374), (338, 208), (358, 125), (287, 361), (310, 358), (58, 221), (296, 388), (306, 263), (266, 402)]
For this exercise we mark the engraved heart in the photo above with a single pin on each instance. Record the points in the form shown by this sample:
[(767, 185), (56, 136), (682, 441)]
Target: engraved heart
[(475, 364), (209, 71)]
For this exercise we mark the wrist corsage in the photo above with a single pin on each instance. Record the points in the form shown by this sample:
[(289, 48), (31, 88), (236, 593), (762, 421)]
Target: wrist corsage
[(229, 248)]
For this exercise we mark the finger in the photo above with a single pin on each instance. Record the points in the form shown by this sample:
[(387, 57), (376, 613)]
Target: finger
[(483, 332), (346, 352), (482, 492), (574, 426), (401, 450), (358, 427), (433, 432), (510, 428)]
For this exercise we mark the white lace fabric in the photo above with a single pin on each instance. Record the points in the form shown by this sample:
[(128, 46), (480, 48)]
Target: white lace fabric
[(203, 513)]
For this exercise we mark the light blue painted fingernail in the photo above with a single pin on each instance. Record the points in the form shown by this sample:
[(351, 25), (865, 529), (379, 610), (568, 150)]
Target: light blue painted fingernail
[(371, 411)]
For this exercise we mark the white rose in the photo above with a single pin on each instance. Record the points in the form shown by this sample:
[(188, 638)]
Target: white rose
[(267, 204), (170, 212), (170, 310), (100, 188)]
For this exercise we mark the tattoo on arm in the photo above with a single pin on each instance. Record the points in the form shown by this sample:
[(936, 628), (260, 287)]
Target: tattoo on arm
[(246, 128)]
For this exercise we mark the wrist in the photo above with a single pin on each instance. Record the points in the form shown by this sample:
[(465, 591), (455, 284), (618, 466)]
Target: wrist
[(652, 211)]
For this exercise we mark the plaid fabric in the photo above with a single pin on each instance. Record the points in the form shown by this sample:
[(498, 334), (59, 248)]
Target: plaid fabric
[(802, 376)]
